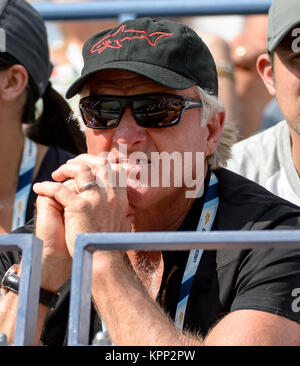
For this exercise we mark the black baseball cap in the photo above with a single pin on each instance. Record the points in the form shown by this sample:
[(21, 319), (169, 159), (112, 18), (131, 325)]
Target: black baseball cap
[(283, 16), (167, 52), (24, 36)]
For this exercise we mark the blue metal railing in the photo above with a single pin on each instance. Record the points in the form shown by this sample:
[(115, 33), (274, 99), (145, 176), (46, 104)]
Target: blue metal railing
[(28, 299), (86, 244), (134, 8)]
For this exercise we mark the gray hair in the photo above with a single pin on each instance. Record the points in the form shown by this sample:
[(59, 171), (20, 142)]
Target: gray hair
[(229, 134), (211, 105)]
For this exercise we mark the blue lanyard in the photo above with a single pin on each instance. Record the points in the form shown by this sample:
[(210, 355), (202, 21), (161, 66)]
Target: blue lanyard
[(205, 224), (24, 183)]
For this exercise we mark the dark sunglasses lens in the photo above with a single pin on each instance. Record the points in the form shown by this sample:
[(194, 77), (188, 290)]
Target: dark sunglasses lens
[(157, 112), (100, 114)]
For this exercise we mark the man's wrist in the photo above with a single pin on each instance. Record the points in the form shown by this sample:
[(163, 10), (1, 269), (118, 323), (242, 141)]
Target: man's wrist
[(11, 282), (54, 274)]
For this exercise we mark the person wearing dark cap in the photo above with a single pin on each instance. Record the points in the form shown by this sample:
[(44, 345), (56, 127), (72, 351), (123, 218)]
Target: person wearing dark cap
[(26, 154), (278, 147), (148, 88)]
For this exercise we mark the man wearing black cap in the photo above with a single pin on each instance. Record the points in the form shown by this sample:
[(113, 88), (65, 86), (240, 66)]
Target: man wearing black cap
[(149, 87), (278, 146)]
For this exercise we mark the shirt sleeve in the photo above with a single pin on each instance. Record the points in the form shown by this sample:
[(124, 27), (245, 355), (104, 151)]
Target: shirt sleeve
[(267, 280)]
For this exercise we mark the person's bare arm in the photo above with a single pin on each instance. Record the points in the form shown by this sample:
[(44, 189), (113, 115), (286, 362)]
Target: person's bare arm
[(130, 314), (254, 328), (56, 266), (133, 318), (8, 315)]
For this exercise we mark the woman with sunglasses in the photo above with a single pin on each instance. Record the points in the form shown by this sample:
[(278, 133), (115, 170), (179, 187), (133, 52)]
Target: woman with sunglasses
[(31, 146)]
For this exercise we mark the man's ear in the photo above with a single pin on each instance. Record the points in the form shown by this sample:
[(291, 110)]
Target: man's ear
[(264, 69), (214, 126), (13, 82)]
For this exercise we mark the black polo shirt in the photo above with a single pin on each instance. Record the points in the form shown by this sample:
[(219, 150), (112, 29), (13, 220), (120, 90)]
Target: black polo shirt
[(229, 280)]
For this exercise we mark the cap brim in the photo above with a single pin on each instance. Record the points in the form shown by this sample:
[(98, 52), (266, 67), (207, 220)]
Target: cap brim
[(158, 74), (274, 42)]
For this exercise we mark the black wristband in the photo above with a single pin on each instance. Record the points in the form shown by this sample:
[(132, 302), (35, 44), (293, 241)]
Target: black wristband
[(11, 282)]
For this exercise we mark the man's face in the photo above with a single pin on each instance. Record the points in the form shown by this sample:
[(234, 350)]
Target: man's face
[(287, 81), (187, 136)]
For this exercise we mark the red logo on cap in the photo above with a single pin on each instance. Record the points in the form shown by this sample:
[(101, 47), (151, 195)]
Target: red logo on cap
[(115, 40)]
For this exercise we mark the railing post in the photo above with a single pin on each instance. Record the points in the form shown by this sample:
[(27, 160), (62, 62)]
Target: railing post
[(28, 298)]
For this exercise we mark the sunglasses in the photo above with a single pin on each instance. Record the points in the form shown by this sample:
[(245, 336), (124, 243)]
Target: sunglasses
[(149, 110)]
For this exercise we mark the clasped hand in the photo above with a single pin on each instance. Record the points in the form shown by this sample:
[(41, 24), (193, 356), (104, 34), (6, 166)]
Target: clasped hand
[(63, 212)]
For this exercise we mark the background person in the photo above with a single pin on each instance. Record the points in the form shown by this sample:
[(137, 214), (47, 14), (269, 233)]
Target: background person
[(228, 95), (245, 48), (25, 70), (217, 32), (271, 158)]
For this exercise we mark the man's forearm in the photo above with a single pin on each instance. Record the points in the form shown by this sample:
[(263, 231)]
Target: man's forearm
[(8, 315), (129, 313)]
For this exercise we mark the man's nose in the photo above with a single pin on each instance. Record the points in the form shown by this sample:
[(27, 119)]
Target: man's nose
[(128, 132)]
